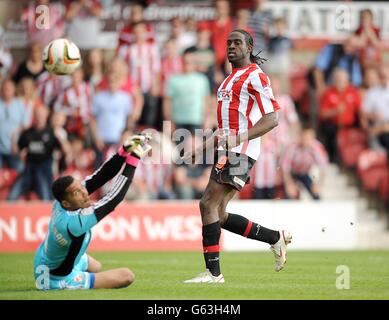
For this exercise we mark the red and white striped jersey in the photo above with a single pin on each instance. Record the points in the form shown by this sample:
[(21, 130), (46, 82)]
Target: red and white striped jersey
[(244, 97), (144, 63), (76, 101), (266, 169), (300, 160), (49, 86)]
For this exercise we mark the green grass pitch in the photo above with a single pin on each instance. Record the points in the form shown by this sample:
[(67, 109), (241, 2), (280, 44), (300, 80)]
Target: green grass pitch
[(249, 275)]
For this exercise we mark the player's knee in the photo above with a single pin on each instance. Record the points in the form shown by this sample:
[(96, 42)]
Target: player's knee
[(99, 266), (127, 276), (207, 204)]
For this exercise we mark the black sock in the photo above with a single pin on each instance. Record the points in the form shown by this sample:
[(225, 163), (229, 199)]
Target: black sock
[(246, 228), (211, 236)]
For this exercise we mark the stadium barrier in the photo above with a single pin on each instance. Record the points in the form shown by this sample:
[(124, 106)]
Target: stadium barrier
[(170, 226)]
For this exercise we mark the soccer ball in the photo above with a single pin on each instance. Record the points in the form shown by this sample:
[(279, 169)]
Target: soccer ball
[(61, 57)]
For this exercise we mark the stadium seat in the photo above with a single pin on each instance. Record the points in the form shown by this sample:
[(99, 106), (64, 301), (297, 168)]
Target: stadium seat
[(371, 159), (372, 177), (351, 143), (383, 188), (7, 178)]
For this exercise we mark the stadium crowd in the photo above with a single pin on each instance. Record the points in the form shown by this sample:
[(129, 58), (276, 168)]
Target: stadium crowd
[(53, 125)]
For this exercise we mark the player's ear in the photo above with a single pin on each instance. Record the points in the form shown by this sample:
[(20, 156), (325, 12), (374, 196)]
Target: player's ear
[(65, 204)]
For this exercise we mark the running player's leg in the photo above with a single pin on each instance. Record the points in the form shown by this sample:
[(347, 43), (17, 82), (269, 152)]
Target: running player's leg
[(93, 265), (115, 278), (209, 205)]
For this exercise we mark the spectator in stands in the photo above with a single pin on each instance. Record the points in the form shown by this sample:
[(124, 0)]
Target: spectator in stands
[(83, 25), (279, 47), (297, 162), (190, 181), (13, 119), (94, 69), (144, 64), (371, 79), (260, 22), (126, 35), (112, 114), (187, 97), (242, 21), (33, 65), (6, 58), (36, 145), (29, 97), (337, 55), (339, 108), (55, 22), (266, 169), (204, 54), (333, 55), (288, 120), (179, 33), (375, 111), (49, 86), (369, 39), (221, 28), (171, 63), (154, 181), (118, 67), (76, 103)]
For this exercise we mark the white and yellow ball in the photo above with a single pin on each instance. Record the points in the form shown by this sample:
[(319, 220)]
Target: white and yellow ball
[(61, 57)]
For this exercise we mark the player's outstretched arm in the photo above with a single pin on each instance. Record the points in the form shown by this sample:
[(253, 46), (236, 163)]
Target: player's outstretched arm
[(89, 217), (110, 168)]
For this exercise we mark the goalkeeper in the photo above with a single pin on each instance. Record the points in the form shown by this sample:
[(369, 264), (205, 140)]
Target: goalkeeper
[(61, 261)]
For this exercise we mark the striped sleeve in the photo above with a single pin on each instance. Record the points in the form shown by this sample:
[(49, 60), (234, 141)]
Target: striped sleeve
[(259, 87), (89, 217)]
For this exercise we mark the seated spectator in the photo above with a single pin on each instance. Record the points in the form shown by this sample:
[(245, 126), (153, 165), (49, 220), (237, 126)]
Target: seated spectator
[(337, 55), (13, 119), (126, 35), (375, 111), (36, 145), (94, 69), (55, 27), (29, 97), (76, 103), (297, 162), (369, 39), (371, 79), (187, 97), (334, 55), (33, 65), (279, 47), (83, 25), (111, 115), (339, 108)]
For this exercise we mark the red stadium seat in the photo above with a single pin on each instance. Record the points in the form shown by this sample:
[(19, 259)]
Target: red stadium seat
[(7, 178), (372, 177), (351, 143), (383, 188), (371, 159)]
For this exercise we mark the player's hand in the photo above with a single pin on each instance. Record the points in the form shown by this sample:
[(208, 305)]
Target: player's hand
[(227, 142), (138, 144)]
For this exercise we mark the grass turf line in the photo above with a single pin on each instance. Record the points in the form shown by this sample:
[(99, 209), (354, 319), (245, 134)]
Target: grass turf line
[(249, 275)]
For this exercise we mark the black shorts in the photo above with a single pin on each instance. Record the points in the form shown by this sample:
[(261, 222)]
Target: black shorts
[(232, 168)]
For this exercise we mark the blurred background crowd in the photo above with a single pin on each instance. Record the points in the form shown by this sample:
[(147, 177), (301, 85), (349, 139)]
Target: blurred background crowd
[(333, 111)]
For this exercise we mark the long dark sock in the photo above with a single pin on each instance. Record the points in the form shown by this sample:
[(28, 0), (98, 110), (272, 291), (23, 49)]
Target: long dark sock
[(211, 236), (246, 228)]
